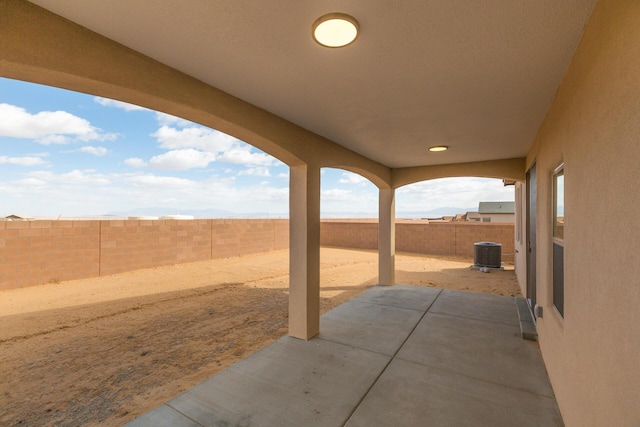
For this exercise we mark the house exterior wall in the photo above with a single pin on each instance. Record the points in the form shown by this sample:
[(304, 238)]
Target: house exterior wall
[(496, 217), (593, 127), (473, 216)]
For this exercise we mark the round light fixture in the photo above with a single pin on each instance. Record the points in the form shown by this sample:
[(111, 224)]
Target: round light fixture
[(335, 30), (438, 148)]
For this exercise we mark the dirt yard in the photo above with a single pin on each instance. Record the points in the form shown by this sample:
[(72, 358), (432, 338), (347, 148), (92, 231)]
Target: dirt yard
[(100, 352)]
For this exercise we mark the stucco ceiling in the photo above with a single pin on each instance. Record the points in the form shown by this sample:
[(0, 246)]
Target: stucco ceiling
[(477, 76)]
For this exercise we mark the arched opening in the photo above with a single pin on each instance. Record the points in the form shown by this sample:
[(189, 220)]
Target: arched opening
[(443, 219), (74, 155), (347, 194), (98, 345), (444, 198), (348, 236)]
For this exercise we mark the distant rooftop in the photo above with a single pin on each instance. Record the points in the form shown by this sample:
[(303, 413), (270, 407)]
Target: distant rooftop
[(497, 207), (17, 218)]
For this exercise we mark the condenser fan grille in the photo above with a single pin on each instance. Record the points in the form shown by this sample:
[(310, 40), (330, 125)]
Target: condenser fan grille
[(487, 254)]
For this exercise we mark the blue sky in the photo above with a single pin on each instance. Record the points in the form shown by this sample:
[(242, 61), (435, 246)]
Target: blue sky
[(69, 154)]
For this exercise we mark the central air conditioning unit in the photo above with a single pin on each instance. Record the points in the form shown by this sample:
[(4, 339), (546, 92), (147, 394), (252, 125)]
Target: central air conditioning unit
[(487, 254)]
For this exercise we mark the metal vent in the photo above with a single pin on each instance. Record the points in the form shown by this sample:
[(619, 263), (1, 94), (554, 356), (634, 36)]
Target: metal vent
[(487, 254)]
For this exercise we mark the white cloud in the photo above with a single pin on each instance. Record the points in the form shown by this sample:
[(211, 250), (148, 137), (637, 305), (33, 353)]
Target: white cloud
[(135, 162), (181, 160), (257, 171), (96, 151), (283, 175), (352, 178), (21, 161), (31, 182), (118, 104), (76, 176), (48, 127), (199, 138), (264, 192), (336, 194), (338, 200), (165, 119), (224, 147), (452, 192), (87, 192), (161, 181), (31, 190), (244, 156)]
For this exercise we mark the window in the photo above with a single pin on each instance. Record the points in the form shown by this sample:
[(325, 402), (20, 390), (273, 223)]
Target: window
[(558, 239), (519, 213)]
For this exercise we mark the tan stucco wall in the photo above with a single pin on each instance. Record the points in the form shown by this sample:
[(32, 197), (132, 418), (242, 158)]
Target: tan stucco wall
[(593, 126), (512, 169)]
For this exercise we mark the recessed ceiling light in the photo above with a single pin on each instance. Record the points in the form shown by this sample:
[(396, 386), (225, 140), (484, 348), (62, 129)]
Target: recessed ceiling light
[(438, 148), (335, 30)]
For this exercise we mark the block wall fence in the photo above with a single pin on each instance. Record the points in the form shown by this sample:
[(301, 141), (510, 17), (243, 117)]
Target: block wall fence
[(421, 237), (39, 252)]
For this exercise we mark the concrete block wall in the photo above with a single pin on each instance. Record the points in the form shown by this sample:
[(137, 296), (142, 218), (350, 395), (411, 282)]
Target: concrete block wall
[(425, 238), (468, 234), (39, 252), (135, 244), (349, 234), (232, 237), (455, 238)]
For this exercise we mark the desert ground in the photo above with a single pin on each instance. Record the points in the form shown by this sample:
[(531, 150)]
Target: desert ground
[(102, 351)]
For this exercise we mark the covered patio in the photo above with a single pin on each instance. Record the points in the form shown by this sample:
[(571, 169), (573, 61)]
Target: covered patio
[(520, 91), (401, 355)]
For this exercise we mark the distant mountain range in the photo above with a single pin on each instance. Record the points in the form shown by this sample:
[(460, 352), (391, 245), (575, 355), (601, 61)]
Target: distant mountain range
[(221, 213)]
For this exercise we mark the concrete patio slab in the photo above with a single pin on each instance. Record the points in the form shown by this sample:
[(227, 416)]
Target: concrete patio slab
[(405, 296), (377, 327), (489, 351), (163, 415), (398, 355), (409, 394), (492, 308), (290, 382)]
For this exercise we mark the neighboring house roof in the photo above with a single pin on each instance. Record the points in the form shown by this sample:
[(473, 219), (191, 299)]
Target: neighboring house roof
[(497, 207), (18, 218)]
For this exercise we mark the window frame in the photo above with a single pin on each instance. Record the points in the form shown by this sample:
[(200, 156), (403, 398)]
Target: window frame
[(558, 240)]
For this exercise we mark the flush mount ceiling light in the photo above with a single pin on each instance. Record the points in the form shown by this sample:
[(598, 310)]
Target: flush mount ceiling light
[(438, 148), (335, 30)]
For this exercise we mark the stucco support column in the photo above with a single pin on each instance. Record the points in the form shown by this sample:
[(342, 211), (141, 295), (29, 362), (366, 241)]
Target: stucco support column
[(387, 236), (304, 251)]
